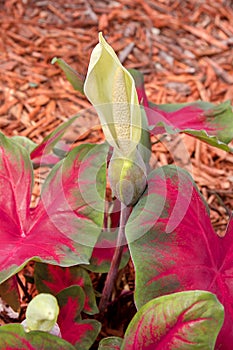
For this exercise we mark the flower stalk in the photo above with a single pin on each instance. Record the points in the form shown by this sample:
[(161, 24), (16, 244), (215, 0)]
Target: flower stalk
[(112, 274)]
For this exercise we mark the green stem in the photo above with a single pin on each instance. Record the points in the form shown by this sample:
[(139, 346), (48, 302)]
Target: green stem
[(112, 274)]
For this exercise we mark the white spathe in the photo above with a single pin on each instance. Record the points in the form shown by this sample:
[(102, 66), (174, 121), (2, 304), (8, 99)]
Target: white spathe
[(111, 90)]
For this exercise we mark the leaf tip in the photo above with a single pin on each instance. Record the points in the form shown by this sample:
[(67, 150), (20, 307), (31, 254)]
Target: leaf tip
[(54, 60)]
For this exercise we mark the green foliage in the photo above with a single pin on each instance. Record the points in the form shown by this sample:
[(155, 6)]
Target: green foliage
[(181, 321), (13, 336), (182, 268)]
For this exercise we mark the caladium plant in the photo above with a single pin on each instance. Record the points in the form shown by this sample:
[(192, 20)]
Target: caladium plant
[(183, 269)]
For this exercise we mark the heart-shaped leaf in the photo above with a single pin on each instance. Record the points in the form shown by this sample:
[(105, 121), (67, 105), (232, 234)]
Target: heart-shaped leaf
[(174, 247), (53, 279), (179, 321), (80, 333), (203, 120), (13, 337), (65, 226), (110, 343)]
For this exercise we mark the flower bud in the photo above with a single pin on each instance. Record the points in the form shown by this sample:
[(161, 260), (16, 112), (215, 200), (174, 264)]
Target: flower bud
[(42, 313), (127, 177)]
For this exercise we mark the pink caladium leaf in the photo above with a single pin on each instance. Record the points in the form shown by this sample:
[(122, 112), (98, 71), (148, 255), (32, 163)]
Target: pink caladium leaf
[(13, 337), (185, 320), (174, 247), (45, 153), (208, 122), (9, 292), (65, 226), (78, 332), (53, 279), (110, 343), (176, 321)]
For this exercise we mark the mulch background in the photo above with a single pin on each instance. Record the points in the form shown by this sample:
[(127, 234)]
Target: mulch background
[(184, 49)]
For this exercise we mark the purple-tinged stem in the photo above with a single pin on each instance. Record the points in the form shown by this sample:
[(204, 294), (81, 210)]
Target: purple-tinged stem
[(112, 274)]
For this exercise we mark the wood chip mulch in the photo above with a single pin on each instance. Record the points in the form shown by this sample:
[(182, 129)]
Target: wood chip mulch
[(184, 49)]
